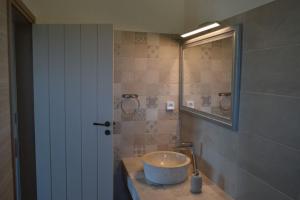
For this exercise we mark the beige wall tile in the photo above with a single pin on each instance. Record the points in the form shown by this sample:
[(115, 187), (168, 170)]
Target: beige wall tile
[(168, 52), (151, 114), (127, 37), (141, 51), (143, 68), (153, 89), (151, 76), (127, 50), (167, 126), (153, 39)]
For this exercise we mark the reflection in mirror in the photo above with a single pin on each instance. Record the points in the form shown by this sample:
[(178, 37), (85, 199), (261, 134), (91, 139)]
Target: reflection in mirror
[(207, 77), (210, 76)]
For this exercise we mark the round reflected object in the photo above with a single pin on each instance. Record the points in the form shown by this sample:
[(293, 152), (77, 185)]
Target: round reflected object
[(225, 102), (130, 105)]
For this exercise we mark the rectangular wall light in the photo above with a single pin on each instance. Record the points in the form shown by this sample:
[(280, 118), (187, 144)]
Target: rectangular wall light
[(199, 30)]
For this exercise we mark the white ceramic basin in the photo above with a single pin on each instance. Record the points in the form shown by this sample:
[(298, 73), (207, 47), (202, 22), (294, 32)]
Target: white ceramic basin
[(166, 167)]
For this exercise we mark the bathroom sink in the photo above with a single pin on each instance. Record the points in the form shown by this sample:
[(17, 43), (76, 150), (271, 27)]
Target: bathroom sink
[(165, 167)]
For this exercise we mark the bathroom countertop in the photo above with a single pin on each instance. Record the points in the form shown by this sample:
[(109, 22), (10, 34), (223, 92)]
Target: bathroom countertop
[(141, 190)]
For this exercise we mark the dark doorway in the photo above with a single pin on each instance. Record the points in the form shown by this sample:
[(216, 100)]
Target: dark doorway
[(22, 104)]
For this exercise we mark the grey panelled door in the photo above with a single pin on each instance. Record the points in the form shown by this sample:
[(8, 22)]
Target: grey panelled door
[(73, 89)]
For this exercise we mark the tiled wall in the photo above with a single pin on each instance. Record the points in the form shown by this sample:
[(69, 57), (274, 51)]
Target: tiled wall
[(6, 174), (206, 73), (261, 161), (145, 64)]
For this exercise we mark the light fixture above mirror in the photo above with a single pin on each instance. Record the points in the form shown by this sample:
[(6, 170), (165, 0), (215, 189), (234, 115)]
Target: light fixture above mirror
[(202, 28)]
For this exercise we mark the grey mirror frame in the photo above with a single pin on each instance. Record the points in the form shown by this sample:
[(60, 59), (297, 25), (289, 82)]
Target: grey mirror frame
[(236, 78)]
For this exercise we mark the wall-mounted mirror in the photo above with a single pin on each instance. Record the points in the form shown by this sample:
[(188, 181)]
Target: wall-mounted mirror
[(210, 76)]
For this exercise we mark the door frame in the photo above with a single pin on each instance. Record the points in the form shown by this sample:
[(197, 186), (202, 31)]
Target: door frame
[(19, 6)]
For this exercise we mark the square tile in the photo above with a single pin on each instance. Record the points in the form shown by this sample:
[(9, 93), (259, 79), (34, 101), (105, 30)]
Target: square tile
[(168, 52), (142, 100), (151, 114), (150, 139), (117, 115), (117, 102), (153, 51), (168, 126), (126, 50), (151, 76), (117, 127), (153, 39), (139, 115), (140, 51), (151, 127), (117, 154), (140, 38), (118, 37), (127, 76), (117, 49), (124, 63), (140, 64), (139, 150), (153, 89), (152, 102), (117, 89), (127, 37), (153, 63)]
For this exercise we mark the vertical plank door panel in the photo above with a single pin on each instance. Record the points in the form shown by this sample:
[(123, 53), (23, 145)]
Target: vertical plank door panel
[(57, 111), (41, 109), (73, 111), (105, 107), (89, 111)]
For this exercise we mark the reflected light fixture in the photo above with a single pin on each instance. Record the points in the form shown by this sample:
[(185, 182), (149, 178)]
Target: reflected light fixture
[(201, 29)]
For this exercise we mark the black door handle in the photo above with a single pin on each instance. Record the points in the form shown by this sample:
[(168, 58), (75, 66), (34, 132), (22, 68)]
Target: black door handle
[(107, 124)]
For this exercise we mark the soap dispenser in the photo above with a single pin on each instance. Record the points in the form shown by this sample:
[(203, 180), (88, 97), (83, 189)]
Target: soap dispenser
[(196, 182), (196, 178)]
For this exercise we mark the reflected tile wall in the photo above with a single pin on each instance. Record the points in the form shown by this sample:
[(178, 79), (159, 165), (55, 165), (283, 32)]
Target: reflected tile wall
[(145, 64), (207, 72)]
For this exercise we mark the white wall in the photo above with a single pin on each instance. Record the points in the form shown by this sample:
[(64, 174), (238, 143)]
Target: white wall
[(199, 11), (165, 16)]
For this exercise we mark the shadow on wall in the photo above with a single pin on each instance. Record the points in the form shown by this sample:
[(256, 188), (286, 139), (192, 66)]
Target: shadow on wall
[(262, 160)]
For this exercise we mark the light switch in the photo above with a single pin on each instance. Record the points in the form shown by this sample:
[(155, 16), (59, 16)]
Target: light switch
[(170, 106)]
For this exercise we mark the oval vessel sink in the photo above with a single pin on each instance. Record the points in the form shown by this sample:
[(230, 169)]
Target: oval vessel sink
[(166, 167)]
